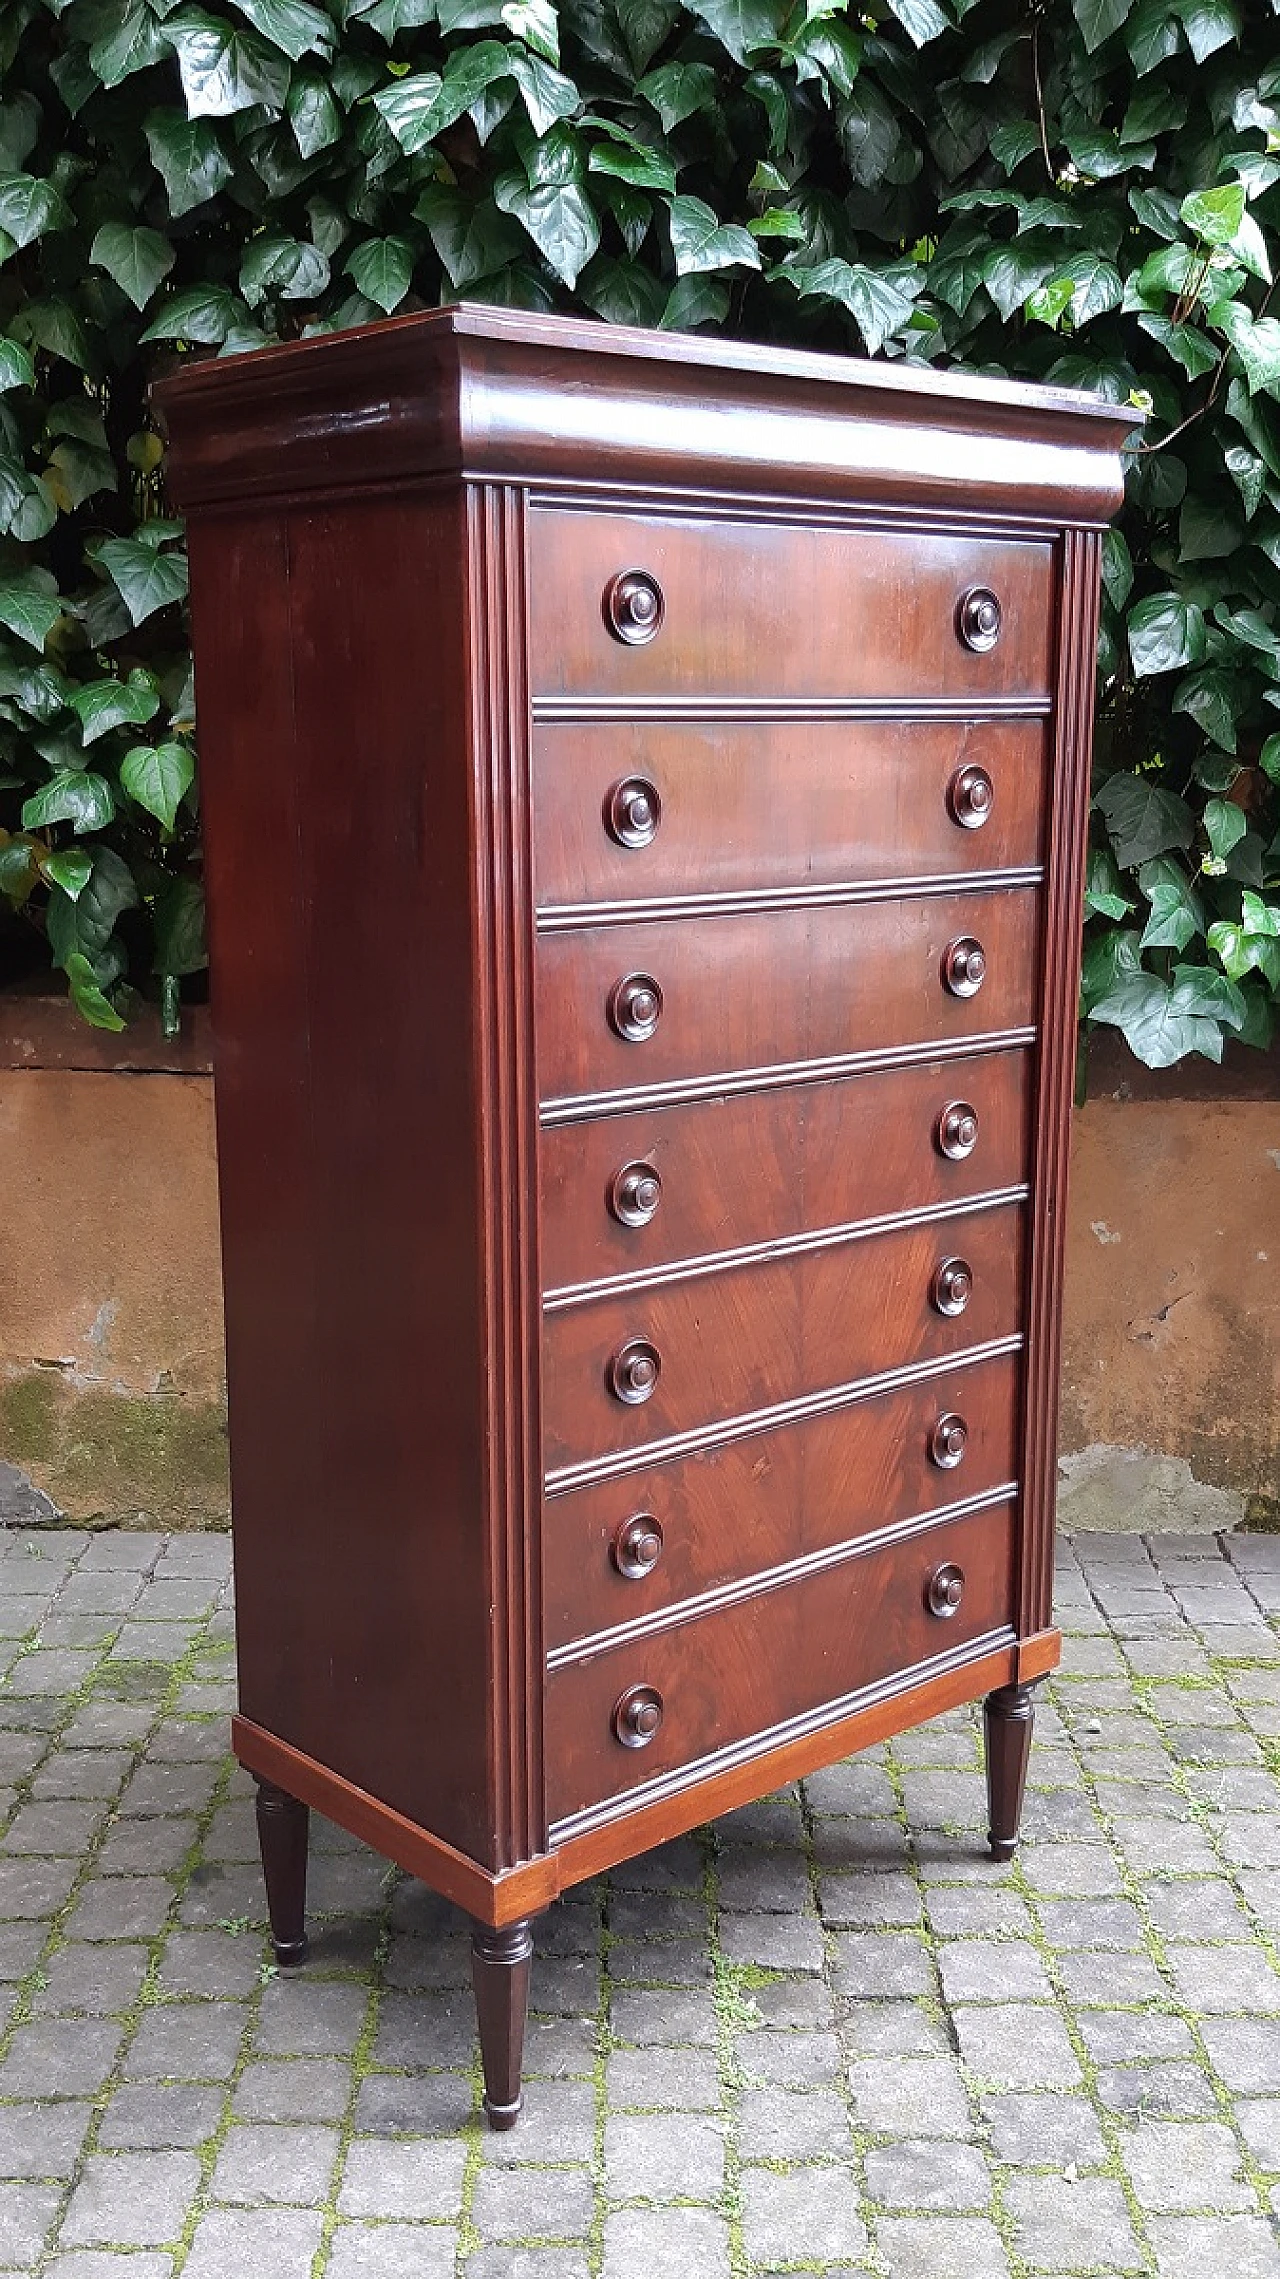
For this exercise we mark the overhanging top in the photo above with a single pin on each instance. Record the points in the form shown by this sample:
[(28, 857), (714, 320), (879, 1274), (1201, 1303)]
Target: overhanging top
[(496, 394)]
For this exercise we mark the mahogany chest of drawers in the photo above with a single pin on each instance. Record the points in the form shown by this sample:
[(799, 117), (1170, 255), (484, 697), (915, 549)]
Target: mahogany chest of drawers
[(644, 789)]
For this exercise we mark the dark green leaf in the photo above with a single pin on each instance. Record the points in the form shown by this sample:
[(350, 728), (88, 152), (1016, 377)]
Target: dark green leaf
[(224, 69), (132, 44), (1225, 826), (382, 267), (16, 367), (1104, 894), (1011, 274), (922, 20), (73, 795), (560, 219), (291, 25), (1143, 819), (136, 258), (1209, 25), (1158, 1024), (204, 313), (877, 300), (89, 1001), (1165, 631), (312, 113), (741, 26), (1098, 19), (187, 155), (1177, 912), (678, 90), (28, 208), (700, 241), (419, 108), (102, 705), (29, 605), (548, 95), (179, 924), (157, 775), (145, 579)]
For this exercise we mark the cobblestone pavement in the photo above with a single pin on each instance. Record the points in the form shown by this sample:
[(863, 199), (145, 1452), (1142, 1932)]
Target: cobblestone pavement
[(830, 2036)]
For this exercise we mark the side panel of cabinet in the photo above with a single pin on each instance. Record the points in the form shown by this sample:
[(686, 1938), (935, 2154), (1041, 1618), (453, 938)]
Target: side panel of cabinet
[(336, 807)]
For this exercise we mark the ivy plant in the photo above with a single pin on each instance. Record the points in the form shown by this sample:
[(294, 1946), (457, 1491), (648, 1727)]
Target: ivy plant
[(1080, 191)]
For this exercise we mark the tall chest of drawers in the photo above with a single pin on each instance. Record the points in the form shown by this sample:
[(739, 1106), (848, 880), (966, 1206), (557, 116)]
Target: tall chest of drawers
[(644, 788)]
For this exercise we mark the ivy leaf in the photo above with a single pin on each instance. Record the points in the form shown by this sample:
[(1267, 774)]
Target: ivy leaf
[(741, 26), (291, 25), (694, 301), (188, 157), (224, 70), (179, 924), (869, 134), (678, 90), (1209, 25), (74, 795), (1159, 1020), (29, 208), (623, 293), (558, 216), (29, 605), (1243, 952), (877, 302), (1206, 531), (472, 241), (1177, 912), (646, 169), (89, 1001), (1269, 758), (548, 95), (382, 267), (16, 367), (700, 241), (1098, 19), (284, 265), (1117, 567), (204, 313), (1151, 35), (1215, 215), (103, 705), (419, 108), (133, 44), (136, 258), (1104, 895), (921, 20), (1225, 825), (312, 113), (1256, 341), (1011, 274), (1212, 699), (537, 24), (145, 579), (1165, 631), (1143, 819), (70, 868), (157, 775), (646, 25)]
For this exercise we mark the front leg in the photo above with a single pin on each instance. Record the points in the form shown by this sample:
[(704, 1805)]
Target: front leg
[(500, 1975), (1009, 1715), (283, 1829)]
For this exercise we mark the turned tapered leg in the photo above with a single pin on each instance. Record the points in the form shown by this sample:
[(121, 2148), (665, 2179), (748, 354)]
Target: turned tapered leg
[(283, 1826), (1009, 1716), (500, 1975)]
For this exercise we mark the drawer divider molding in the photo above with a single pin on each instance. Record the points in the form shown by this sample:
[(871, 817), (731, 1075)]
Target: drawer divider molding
[(579, 1107), (776, 1578), (786, 1246), (967, 709), (574, 917), (569, 1476), (778, 1736)]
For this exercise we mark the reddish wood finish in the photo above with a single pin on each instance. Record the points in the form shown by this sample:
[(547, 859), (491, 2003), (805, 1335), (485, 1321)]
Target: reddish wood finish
[(765, 808), (748, 1337), (793, 1492), (1008, 1718), (792, 1653), (779, 610), (762, 1167), (623, 755), (283, 1832)]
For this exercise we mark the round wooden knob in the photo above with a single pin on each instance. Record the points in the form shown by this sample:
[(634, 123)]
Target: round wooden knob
[(634, 1371), (956, 1130), (964, 966), (637, 1715), (637, 1546), (952, 1286), (944, 1590), (633, 811), (970, 797), (948, 1441), (635, 1193), (633, 607), (978, 618), (635, 1007)]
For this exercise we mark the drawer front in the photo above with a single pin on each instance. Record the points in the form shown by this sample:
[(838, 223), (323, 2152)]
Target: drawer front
[(777, 609), (627, 1194), (744, 993), (785, 1654), (632, 810), (621, 1372), (627, 1549)]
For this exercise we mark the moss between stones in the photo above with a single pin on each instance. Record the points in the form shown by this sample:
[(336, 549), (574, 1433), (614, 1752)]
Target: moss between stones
[(123, 1459)]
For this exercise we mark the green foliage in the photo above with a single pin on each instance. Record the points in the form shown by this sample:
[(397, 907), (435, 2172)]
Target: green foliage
[(1080, 191)]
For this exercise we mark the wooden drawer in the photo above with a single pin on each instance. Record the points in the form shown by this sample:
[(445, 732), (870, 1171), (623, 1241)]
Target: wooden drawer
[(730, 1343), (789, 1656), (789, 986), (626, 1550), (756, 1167), (645, 809), (782, 609)]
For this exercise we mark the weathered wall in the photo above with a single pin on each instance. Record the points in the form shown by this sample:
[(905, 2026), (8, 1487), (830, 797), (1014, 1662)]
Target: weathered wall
[(111, 1394)]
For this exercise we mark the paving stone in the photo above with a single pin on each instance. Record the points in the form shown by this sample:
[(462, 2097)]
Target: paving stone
[(402, 2179), (1045, 2129), (397, 2251), (788, 2002), (1199, 1908), (41, 2141), (1065, 2224), (533, 2203), (131, 2199), (301, 2089), (81, 1773), (305, 2017), (790, 2060), (1186, 2165), (413, 2104), (659, 2156), (1175, 2091), (1259, 2123), (269, 2243), (101, 2263), (155, 2116), (774, 1942), (918, 2096), (34, 1888), (133, 1908), (665, 2243), (872, 1900), (896, 2029), (1245, 2052), (915, 2175), (809, 2215), (792, 2124), (146, 1847), (210, 1963), (558, 2124), (169, 1788), (26, 2213), (94, 1979), (1219, 1979), (664, 2017), (521, 2263), (664, 2080), (187, 2041), (1189, 2247), (993, 1970), (941, 2247), (60, 2057), (1117, 2037), (1017, 2046), (262, 2163), (53, 1830), (963, 1913), (20, 1946), (870, 1962)]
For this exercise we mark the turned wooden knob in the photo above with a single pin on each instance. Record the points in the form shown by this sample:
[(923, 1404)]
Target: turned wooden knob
[(956, 1130), (970, 797), (978, 617), (944, 1590), (635, 1193), (964, 966), (952, 1286), (634, 1371), (633, 607), (633, 811), (635, 1007), (637, 1546), (948, 1441), (637, 1715)]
